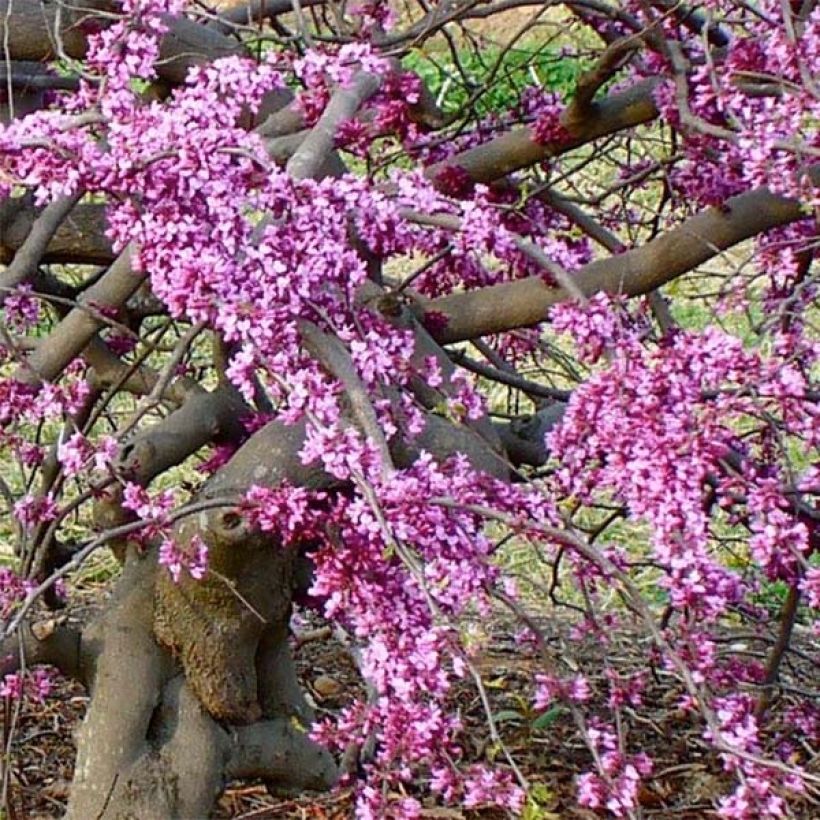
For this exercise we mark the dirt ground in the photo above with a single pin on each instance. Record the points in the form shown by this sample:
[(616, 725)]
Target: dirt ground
[(688, 777)]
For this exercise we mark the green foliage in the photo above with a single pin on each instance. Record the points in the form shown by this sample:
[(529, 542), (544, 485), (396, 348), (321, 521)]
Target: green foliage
[(538, 797), (545, 720), (494, 76)]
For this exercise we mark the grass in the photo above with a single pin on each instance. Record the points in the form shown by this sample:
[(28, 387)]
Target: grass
[(512, 71)]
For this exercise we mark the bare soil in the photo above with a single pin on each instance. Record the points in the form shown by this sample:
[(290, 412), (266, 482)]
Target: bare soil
[(688, 777)]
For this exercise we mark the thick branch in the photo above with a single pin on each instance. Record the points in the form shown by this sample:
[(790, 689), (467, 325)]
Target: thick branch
[(28, 76), (254, 11), (590, 82), (518, 149), (47, 643), (79, 327), (312, 154), (36, 31), (523, 438), (276, 751), (695, 20), (80, 238), (31, 252), (130, 672), (201, 419), (526, 302), (109, 371)]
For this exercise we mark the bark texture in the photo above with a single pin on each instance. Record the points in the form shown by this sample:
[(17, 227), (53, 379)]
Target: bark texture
[(194, 680)]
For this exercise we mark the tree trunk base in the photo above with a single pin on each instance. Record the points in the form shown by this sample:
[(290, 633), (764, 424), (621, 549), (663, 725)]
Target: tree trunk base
[(148, 748)]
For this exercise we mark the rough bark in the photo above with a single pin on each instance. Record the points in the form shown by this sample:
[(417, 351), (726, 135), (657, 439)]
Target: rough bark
[(194, 682), (216, 625)]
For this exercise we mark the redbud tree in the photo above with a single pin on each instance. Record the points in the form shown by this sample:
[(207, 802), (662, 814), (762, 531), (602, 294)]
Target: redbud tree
[(392, 303)]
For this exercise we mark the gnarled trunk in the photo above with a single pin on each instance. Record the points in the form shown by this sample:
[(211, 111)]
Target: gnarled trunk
[(149, 747), (194, 683)]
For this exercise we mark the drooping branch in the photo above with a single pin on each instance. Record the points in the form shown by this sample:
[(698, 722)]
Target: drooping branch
[(788, 618), (477, 439), (511, 379), (333, 355), (526, 302)]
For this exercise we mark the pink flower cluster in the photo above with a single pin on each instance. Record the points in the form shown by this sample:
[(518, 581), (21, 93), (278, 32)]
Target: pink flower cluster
[(752, 117), (686, 432), (35, 685)]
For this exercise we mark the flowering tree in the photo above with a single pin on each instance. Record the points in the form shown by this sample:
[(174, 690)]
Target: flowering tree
[(393, 332)]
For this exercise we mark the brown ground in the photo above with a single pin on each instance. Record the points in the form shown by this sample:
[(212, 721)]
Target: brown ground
[(688, 777)]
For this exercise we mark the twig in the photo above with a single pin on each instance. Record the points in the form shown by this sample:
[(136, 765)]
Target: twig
[(510, 379), (787, 620)]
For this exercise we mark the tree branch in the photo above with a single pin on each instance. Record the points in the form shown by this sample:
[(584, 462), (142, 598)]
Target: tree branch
[(31, 252), (202, 418), (518, 149), (37, 31), (48, 643), (253, 11), (80, 238), (312, 154), (526, 302), (75, 331), (276, 751)]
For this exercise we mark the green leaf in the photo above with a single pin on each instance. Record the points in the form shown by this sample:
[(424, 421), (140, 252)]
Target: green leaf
[(508, 716), (549, 717)]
